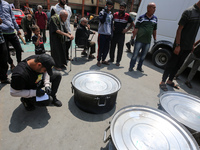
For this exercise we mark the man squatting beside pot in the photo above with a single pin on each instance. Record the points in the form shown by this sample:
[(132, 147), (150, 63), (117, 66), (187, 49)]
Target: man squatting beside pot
[(32, 74)]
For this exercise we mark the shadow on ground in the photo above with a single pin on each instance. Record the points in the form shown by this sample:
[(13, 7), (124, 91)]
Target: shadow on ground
[(35, 119), (88, 116)]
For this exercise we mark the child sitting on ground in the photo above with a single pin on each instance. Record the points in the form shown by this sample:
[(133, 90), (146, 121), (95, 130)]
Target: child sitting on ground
[(37, 40)]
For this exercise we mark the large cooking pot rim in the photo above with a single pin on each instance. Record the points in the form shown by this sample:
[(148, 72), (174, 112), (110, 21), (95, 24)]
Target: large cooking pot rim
[(183, 107), (142, 127), (96, 82)]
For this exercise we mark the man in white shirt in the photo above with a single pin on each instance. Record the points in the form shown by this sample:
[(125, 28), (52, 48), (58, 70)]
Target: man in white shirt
[(57, 8)]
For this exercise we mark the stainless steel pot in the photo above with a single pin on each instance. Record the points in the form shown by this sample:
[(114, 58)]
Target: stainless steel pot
[(145, 128), (95, 91), (185, 108)]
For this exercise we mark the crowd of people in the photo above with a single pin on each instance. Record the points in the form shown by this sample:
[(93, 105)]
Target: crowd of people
[(34, 73)]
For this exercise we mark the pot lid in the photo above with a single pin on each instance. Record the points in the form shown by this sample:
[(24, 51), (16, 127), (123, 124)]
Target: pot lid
[(145, 128), (183, 107), (96, 82)]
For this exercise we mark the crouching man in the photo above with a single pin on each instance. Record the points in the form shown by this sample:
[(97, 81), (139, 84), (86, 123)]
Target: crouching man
[(30, 76)]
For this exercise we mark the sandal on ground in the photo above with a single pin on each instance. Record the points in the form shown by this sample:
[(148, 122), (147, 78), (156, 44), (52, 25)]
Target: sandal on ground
[(59, 69), (163, 87), (91, 57), (188, 84), (173, 85), (105, 63), (98, 64)]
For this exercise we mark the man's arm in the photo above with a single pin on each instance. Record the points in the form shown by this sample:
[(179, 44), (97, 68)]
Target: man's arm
[(178, 39), (135, 32), (126, 30), (154, 34)]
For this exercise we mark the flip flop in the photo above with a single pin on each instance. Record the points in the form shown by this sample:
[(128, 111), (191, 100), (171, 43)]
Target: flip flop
[(173, 85), (163, 87), (105, 63)]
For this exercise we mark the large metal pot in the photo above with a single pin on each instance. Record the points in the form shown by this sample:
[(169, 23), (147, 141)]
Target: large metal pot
[(185, 108), (95, 91), (145, 128)]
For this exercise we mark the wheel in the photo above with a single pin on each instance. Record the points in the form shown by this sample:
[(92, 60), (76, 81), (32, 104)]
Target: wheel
[(161, 57)]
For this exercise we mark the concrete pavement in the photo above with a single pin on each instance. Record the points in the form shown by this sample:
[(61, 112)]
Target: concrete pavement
[(69, 128)]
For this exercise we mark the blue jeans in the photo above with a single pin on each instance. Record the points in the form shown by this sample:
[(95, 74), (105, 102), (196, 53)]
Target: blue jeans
[(137, 47)]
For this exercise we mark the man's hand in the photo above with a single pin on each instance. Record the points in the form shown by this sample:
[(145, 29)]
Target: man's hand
[(125, 30), (19, 33), (88, 26), (132, 42), (1, 21), (48, 90), (177, 50), (25, 33), (71, 37), (93, 32), (40, 92)]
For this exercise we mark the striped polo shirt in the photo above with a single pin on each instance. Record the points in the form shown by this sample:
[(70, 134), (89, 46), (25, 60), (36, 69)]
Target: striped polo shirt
[(120, 22), (145, 28)]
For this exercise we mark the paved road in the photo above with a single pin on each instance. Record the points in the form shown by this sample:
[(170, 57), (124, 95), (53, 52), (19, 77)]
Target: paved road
[(69, 128)]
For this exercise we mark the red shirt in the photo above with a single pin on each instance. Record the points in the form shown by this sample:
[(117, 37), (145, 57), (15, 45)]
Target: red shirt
[(41, 19)]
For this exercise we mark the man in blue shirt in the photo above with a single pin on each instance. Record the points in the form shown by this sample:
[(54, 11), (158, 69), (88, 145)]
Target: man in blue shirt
[(8, 26)]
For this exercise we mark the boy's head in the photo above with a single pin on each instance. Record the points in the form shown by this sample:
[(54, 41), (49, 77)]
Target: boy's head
[(35, 29), (109, 5)]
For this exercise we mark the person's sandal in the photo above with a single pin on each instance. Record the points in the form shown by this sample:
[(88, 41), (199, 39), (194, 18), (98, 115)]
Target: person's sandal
[(188, 84), (173, 85), (98, 64), (163, 87), (105, 63)]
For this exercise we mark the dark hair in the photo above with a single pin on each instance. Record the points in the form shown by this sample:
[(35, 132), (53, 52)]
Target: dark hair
[(123, 4), (34, 27), (109, 2)]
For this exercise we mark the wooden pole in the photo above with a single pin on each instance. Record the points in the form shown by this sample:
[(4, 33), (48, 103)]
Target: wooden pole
[(27, 3), (132, 6), (48, 4), (83, 3), (97, 8)]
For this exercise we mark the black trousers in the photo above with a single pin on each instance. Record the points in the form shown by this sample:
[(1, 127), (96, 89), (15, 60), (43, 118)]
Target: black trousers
[(55, 80), (174, 65), (3, 61), (68, 44), (28, 35), (118, 39), (13, 39), (43, 33), (91, 45)]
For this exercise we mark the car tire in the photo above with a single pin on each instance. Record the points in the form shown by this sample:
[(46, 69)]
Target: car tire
[(161, 57)]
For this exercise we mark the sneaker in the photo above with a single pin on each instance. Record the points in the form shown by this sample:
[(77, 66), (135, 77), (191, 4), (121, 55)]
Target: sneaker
[(128, 46), (140, 69), (56, 102), (98, 64), (188, 84), (7, 81), (27, 105)]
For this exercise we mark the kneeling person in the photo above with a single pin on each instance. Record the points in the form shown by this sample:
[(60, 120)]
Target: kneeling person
[(32, 74)]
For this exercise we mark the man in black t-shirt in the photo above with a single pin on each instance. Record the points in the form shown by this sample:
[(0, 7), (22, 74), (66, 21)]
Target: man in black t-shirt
[(30, 76)]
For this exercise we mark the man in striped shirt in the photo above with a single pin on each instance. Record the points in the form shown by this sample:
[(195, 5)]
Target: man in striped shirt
[(120, 22), (146, 25)]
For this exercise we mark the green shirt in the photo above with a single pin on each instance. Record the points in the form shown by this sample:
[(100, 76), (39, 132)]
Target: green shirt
[(145, 28)]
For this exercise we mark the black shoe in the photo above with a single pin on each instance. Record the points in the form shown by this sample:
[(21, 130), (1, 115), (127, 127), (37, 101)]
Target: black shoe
[(111, 61), (140, 69), (84, 53), (188, 84), (128, 46), (7, 81), (27, 105), (56, 102)]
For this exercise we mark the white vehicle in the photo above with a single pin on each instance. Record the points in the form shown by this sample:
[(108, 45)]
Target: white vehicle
[(168, 13)]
